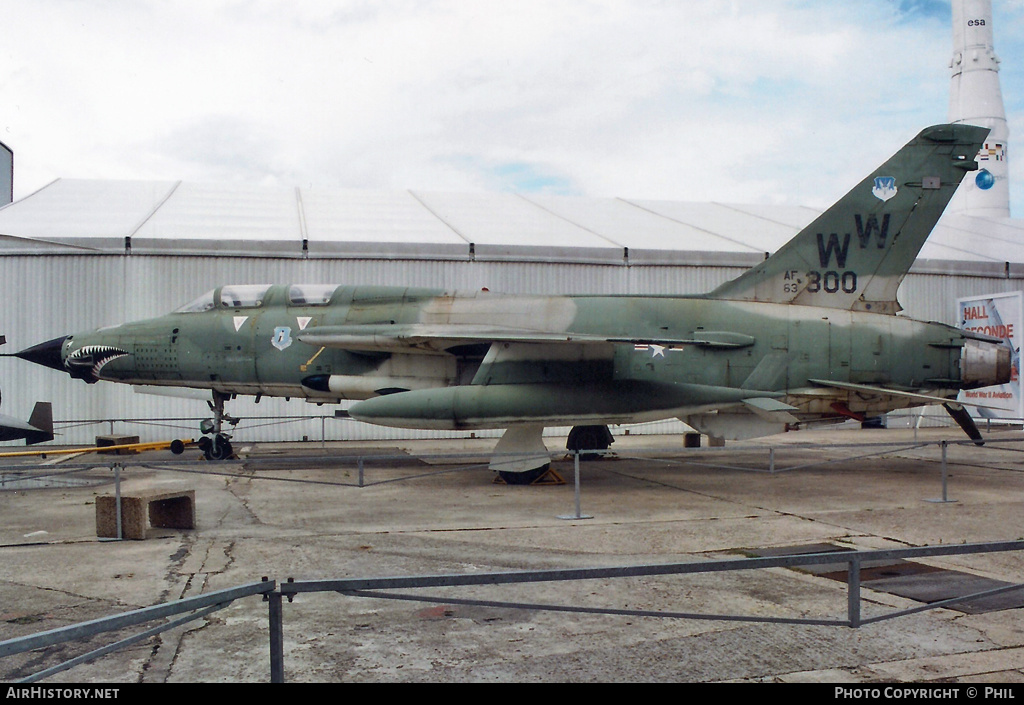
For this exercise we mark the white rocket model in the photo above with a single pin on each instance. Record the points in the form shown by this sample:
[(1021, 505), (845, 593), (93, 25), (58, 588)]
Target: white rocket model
[(976, 99)]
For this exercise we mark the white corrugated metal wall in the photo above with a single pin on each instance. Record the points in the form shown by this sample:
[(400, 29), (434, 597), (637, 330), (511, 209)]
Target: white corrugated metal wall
[(46, 296)]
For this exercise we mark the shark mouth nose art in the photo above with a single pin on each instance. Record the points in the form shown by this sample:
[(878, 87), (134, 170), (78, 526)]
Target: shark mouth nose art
[(88, 361)]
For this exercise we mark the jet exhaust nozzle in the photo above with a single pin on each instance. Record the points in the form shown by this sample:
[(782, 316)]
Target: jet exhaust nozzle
[(984, 364)]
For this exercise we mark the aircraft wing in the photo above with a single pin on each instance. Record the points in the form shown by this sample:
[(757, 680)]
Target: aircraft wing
[(432, 338), (954, 407), (761, 415), (885, 391)]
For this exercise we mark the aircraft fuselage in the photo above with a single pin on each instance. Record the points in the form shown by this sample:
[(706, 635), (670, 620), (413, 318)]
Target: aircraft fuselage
[(810, 333), (600, 359)]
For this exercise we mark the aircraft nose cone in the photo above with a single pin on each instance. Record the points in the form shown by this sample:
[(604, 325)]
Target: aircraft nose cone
[(46, 354)]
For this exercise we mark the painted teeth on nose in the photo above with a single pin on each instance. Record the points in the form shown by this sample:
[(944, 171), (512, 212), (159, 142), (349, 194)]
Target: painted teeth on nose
[(93, 356)]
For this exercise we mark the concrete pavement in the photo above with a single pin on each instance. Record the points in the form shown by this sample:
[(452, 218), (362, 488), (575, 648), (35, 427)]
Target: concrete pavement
[(281, 511)]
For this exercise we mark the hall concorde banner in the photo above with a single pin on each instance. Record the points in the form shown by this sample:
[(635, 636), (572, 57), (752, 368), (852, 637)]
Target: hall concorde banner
[(998, 316)]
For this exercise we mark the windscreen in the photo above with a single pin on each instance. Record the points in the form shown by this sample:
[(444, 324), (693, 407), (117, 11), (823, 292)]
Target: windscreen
[(203, 303)]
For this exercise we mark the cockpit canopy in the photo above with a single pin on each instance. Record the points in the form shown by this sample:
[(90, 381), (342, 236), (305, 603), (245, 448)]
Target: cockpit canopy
[(310, 294), (253, 295), (243, 296)]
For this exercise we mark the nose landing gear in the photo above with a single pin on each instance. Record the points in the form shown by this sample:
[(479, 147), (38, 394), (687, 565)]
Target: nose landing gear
[(215, 444), (216, 447)]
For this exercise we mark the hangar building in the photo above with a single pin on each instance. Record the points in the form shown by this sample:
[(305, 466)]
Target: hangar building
[(80, 254), (76, 255)]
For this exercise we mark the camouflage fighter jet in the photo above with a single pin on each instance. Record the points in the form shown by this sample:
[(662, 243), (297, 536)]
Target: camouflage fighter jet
[(810, 334)]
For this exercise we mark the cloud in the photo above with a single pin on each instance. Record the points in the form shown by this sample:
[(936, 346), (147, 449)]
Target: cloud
[(913, 10), (782, 101)]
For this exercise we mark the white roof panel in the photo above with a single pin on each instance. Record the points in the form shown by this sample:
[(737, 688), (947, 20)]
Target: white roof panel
[(795, 218), (628, 224), (75, 208), (372, 216), (169, 217), (964, 238), (225, 212), (723, 227), (501, 219)]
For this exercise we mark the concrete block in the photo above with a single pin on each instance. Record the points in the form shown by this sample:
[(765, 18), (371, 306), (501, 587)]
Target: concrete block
[(102, 441), (140, 510)]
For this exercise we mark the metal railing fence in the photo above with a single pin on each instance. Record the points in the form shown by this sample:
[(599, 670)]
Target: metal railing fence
[(199, 607), (396, 588), (388, 587)]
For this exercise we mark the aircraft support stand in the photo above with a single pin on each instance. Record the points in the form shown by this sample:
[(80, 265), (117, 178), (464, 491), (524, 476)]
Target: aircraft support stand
[(576, 469), (945, 479), (117, 500)]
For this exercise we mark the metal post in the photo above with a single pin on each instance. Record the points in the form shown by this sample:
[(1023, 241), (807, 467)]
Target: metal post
[(576, 481), (945, 473), (576, 468), (276, 637), (945, 482), (360, 472), (117, 498), (853, 582)]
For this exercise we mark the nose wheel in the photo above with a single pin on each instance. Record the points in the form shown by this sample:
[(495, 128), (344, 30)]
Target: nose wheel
[(216, 447), (215, 444)]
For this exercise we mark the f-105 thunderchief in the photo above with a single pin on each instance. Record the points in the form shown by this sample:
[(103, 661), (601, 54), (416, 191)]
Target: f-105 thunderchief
[(810, 334)]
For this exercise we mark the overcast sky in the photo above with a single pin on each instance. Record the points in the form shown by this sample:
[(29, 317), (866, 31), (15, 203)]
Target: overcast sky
[(742, 101)]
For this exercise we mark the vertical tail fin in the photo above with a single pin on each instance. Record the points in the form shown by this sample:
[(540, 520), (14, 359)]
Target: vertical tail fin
[(854, 256), (42, 420)]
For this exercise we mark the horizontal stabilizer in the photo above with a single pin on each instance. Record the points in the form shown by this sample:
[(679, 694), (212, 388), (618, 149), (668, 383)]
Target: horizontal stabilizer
[(869, 389)]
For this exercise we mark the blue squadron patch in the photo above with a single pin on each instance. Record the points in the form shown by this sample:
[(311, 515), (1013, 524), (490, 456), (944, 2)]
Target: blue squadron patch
[(282, 337), (885, 187)]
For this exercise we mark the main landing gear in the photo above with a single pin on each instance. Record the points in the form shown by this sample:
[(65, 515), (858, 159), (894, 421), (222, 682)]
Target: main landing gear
[(594, 438), (521, 458), (215, 444)]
